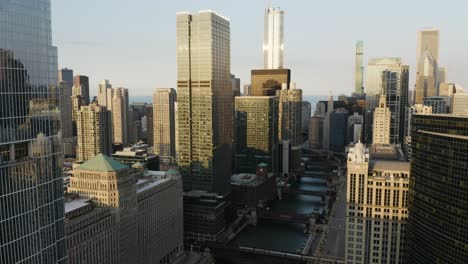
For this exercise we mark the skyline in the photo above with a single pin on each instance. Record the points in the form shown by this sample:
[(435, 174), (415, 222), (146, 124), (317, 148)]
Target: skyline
[(100, 53)]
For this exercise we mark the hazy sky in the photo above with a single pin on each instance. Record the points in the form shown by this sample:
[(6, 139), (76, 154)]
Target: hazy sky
[(132, 42)]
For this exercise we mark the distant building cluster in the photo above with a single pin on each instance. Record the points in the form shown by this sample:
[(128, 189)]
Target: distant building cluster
[(99, 179)]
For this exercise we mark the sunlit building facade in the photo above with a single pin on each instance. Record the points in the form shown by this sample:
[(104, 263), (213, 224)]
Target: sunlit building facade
[(164, 123), (31, 183), (427, 64), (256, 131), (205, 101), (273, 41)]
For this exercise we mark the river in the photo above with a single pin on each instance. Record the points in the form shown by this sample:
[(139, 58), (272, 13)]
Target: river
[(281, 236)]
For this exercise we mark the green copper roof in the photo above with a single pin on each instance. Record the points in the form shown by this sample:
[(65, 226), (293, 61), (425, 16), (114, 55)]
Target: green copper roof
[(102, 162)]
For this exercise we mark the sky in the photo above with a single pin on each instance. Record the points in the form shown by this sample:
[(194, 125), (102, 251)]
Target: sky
[(132, 43)]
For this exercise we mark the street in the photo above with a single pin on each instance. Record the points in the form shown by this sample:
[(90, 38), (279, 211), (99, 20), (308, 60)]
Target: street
[(335, 240)]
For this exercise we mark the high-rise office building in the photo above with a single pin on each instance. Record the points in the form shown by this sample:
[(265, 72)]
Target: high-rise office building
[(81, 87), (437, 221), (65, 106), (205, 102), (268, 82), (109, 183), (438, 104), (256, 131), (338, 130), (410, 111), (427, 58), (120, 116), (381, 127), (65, 75), (273, 40), (235, 84), (94, 128), (31, 200), (395, 88), (355, 123), (247, 89), (164, 124), (290, 115), (104, 95), (290, 122), (150, 125), (306, 115), (377, 210), (460, 104), (327, 124), (359, 75), (395, 81)]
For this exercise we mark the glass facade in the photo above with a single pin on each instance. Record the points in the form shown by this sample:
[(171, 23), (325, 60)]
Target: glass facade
[(31, 185), (386, 75), (438, 199), (205, 103), (256, 131)]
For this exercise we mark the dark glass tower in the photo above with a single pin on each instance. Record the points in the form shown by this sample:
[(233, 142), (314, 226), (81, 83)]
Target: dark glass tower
[(438, 200), (31, 185)]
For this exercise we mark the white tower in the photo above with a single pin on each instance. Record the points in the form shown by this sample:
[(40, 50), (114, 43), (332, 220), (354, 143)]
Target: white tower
[(273, 41)]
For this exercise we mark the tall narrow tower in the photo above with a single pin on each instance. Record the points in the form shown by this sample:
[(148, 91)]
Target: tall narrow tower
[(273, 41), (427, 63), (205, 101), (359, 78), (31, 200)]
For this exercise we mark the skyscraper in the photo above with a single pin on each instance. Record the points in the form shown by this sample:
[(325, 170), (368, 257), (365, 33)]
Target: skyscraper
[(104, 95), (359, 77), (205, 102), (256, 131), (94, 127), (327, 124), (290, 115), (120, 116), (235, 84), (149, 124), (164, 124), (395, 88), (427, 58), (273, 40), (290, 122), (31, 200), (437, 221), (378, 83), (81, 87), (65, 75), (65, 104), (381, 127)]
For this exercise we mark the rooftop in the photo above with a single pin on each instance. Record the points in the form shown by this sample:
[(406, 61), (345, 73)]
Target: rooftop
[(74, 204), (387, 165), (386, 152), (103, 163)]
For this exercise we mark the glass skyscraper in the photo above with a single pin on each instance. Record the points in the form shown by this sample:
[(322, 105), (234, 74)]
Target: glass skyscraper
[(438, 198), (205, 104), (273, 41), (359, 78), (427, 58), (31, 185)]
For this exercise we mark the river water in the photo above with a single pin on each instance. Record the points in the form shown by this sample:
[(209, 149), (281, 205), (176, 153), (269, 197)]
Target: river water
[(280, 236)]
